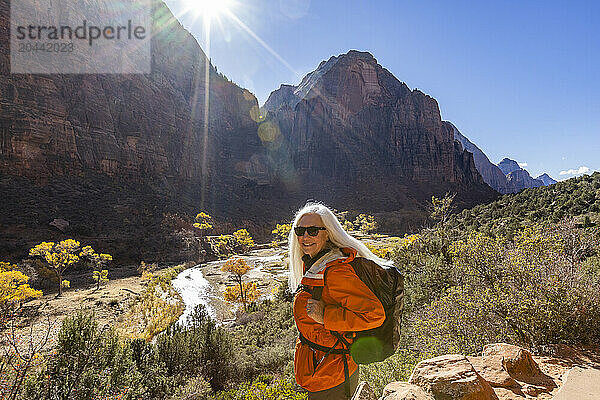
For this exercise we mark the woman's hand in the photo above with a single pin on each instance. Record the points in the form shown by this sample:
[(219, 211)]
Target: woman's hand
[(315, 310)]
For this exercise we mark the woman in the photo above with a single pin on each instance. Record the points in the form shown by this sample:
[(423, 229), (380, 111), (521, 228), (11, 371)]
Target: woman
[(326, 313)]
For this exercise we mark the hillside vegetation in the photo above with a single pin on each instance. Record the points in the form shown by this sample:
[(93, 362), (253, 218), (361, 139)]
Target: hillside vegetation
[(576, 197)]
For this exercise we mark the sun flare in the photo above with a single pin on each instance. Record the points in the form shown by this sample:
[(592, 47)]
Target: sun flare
[(208, 9)]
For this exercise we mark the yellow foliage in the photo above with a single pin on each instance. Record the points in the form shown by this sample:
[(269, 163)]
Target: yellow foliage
[(236, 266), (203, 221), (14, 287), (156, 308), (383, 252), (244, 239), (282, 231), (365, 223), (247, 295), (59, 256), (100, 261)]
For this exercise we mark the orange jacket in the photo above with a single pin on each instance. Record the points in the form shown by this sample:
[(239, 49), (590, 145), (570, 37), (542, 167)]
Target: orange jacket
[(349, 306)]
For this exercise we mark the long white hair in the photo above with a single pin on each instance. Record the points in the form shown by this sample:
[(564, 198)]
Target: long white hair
[(337, 235)]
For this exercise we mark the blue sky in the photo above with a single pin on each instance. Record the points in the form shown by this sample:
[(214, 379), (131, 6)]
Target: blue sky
[(518, 78)]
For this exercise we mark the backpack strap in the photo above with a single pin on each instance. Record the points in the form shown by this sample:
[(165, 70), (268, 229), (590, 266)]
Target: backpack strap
[(345, 352)]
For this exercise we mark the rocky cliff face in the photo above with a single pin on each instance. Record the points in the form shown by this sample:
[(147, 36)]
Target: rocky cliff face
[(351, 126), (507, 176), (134, 125), (113, 154), (492, 175), (507, 166)]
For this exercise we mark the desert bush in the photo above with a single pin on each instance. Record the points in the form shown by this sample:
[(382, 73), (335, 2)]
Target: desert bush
[(265, 338), (157, 307), (194, 389), (89, 362), (397, 367), (532, 291), (198, 348), (259, 389)]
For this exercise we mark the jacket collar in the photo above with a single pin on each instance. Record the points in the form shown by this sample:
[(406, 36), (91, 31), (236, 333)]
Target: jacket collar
[(314, 276)]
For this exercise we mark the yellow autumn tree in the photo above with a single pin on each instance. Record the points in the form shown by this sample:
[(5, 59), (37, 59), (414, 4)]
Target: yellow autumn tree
[(280, 233), (14, 288), (59, 257), (243, 238), (99, 262), (365, 223), (203, 221), (244, 292)]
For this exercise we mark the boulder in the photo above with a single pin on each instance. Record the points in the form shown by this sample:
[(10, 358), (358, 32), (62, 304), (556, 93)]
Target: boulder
[(451, 377), (364, 392), (517, 361), (59, 224), (405, 391), (491, 369), (521, 366)]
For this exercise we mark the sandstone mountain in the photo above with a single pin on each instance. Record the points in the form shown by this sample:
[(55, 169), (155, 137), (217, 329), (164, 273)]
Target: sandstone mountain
[(125, 159), (352, 131), (113, 154)]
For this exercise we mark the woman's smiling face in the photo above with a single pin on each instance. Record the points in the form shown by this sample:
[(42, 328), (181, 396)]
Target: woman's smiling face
[(311, 245)]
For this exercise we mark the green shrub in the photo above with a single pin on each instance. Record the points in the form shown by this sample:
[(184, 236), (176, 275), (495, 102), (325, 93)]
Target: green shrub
[(531, 292), (88, 363), (397, 367), (282, 389), (264, 339), (199, 348)]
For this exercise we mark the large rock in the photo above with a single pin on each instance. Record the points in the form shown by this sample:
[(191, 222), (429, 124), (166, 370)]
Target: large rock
[(521, 366), (451, 377), (492, 370), (580, 384), (405, 391), (517, 361)]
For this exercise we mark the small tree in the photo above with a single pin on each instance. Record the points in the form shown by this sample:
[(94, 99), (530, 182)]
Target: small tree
[(13, 290), (203, 221), (281, 232), (442, 208), (365, 223), (100, 263), (244, 239), (59, 256), (244, 292)]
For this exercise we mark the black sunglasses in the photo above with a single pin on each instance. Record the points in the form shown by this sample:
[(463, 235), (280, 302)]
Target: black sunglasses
[(312, 230)]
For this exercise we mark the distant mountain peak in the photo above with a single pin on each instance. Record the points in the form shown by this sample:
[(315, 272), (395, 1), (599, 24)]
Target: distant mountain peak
[(546, 179), (507, 166)]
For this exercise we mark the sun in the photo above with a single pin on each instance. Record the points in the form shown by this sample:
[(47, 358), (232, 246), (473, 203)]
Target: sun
[(208, 9)]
